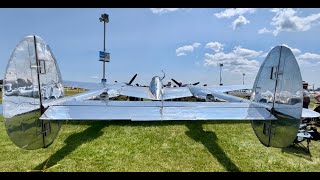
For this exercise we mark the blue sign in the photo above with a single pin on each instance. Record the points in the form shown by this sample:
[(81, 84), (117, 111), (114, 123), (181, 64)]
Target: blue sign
[(101, 54), (104, 56)]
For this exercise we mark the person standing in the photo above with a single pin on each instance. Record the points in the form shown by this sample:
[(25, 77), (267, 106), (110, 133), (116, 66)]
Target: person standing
[(306, 95)]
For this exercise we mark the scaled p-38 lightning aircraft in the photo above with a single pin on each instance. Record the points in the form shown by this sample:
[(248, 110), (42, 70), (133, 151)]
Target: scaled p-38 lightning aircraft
[(34, 105)]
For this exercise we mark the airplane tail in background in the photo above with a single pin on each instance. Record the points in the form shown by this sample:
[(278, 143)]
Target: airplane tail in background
[(279, 85)]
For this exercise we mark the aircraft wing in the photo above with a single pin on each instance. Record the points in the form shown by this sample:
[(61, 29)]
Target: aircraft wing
[(203, 91), (155, 111), (307, 113), (84, 85), (113, 90), (144, 92), (178, 92), (227, 88), (136, 91)]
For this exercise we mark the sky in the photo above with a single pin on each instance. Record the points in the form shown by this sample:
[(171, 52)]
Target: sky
[(186, 43)]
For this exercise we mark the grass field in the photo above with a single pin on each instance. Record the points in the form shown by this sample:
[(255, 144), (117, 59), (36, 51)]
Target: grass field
[(157, 146)]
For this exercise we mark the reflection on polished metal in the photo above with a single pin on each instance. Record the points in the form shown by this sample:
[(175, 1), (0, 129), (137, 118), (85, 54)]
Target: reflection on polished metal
[(33, 80), (21, 100), (156, 87), (279, 85)]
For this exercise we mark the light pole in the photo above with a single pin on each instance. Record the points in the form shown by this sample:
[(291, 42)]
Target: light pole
[(220, 64), (105, 19), (313, 87), (243, 78)]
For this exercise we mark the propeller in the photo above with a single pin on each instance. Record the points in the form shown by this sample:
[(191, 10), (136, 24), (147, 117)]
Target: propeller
[(183, 85), (177, 83), (132, 79)]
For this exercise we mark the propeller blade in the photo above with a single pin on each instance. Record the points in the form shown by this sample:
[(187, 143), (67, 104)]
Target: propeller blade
[(132, 79), (177, 83), (196, 83)]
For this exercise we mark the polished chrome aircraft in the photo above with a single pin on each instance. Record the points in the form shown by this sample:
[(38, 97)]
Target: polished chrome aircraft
[(34, 104)]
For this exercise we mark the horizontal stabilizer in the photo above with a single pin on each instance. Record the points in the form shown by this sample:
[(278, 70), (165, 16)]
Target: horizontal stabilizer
[(156, 113)]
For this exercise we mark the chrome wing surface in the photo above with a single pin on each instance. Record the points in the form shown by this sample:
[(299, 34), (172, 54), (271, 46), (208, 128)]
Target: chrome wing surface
[(202, 92), (14, 107), (84, 85), (178, 92), (307, 113), (155, 111), (136, 91), (144, 92), (226, 88)]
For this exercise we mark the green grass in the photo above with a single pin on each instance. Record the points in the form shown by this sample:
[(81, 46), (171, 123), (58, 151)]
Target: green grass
[(69, 92), (157, 146)]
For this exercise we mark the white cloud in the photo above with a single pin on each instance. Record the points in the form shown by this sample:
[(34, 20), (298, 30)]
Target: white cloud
[(295, 51), (235, 61), (240, 21), (309, 56), (308, 59), (94, 77), (163, 10), (303, 63), (216, 46), (195, 45), (287, 20), (234, 12), (264, 30), (182, 51), (247, 53)]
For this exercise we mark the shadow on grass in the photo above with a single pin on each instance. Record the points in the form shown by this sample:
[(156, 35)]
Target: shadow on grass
[(72, 142), (208, 139), (298, 150), (94, 131)]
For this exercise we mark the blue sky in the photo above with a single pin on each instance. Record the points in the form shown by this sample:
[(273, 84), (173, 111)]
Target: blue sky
[(186, 43)]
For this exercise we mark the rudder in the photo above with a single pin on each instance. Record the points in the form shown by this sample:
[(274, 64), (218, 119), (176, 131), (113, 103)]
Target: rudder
[(279, 84), (31, 80)]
